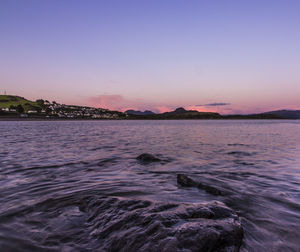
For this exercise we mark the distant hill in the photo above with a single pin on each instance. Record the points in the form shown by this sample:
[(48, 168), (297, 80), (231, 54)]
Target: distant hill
[(137, 112), (179, 113), (6, 101), (289, 114)]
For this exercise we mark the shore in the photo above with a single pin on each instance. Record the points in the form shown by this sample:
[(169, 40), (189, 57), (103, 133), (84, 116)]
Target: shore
[(135, 118)]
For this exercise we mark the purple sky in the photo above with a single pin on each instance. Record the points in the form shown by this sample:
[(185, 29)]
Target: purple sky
[(155, 55)]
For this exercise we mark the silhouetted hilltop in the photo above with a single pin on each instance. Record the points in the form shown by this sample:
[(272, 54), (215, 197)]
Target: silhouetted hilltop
[(180, 111), (137, 112), (289, 114)]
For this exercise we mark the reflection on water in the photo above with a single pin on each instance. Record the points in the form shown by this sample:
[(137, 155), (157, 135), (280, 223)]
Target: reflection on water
[(46, 168)]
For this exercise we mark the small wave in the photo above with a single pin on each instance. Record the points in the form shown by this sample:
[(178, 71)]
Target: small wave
[(240, 153), (109, 147), (238, 144), (239, 162), (22, 169), (108, 161)]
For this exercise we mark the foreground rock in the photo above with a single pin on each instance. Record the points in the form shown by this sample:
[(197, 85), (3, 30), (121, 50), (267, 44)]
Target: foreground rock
[(137, 225), (186, 181), (147, 158)]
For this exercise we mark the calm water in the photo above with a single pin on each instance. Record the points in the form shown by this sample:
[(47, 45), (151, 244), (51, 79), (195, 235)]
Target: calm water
[(43, 164)]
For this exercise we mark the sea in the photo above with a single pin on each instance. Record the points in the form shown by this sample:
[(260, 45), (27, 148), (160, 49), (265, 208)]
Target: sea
[(44, 164)]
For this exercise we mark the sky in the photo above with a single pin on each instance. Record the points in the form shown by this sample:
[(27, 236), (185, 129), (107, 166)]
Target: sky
[(217, 55)]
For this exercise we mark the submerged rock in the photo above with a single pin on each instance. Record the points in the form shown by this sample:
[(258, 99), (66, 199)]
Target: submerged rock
[(147, 158), (183, 180), (138, 225)]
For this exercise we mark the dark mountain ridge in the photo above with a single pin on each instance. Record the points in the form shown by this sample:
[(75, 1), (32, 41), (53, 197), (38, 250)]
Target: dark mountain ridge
[(138, 112), (179, 113), (290, 114)]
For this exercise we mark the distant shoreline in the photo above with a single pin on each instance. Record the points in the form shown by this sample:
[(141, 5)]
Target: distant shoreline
[(17, 108), (136, 119)]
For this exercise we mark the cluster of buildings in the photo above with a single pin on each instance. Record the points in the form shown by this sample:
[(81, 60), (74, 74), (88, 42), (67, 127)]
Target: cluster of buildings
[(56, 110), (70, 111)]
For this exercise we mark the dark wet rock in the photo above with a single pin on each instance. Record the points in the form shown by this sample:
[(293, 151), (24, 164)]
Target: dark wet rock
[(147, 158), (117, 224), (184, 180), (209, 189)]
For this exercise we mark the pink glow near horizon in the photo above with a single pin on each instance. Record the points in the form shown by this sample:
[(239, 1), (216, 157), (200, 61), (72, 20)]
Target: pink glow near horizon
[(118, 102)]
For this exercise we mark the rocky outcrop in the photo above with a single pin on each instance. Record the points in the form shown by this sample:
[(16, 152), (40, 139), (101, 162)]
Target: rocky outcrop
[(183, 180), (138, 225), (147, 158)]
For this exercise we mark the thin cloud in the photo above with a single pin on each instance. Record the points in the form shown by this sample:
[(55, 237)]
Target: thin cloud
[(215, 104)]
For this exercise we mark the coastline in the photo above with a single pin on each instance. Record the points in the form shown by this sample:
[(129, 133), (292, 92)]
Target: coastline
[(138, 119)]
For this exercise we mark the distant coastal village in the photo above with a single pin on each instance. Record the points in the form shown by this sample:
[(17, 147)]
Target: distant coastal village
[(16, 107)]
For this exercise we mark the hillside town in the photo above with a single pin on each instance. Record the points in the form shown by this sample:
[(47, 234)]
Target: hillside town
[(44, 108)]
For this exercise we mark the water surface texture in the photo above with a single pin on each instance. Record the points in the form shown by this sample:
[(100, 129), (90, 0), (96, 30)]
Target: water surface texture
[(47, 167)]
